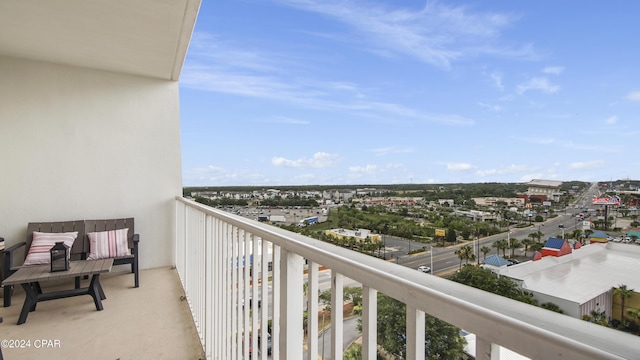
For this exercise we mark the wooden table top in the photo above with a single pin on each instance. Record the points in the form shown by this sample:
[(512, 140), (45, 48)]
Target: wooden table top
[(36, 273)]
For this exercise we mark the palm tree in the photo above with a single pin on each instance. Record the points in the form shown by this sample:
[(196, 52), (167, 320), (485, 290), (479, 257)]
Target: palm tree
[(460, 255), (469, 255), (577, 234), (538, 235), (624, 294), (501, 245), (485, 250), (527, 243), (465, 253), (513, 245)]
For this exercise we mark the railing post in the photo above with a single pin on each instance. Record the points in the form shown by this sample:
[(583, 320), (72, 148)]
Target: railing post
[(483, 349), (312, 311), (264, 295), (415, 333), (276, 294), (291, 331), (337, 304), (369, 323), (210, 285)]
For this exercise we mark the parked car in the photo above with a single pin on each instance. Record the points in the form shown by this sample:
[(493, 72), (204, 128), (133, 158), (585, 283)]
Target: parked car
[(424, 269)]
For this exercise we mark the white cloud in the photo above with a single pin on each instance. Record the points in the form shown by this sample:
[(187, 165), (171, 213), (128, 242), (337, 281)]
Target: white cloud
[(496, 108), (587, 165), (633, 96), (611, 120), (538, 83), (459, 166), (217, 67), (319, 160), (512, 169), (368, 169), (437, 34), (555, 70)]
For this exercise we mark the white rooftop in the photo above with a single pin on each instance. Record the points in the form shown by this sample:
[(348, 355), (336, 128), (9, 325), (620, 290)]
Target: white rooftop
[(583, 274), (545, 183)]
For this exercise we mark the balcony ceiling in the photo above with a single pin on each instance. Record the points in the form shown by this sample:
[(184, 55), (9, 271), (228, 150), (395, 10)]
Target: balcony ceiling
[(141, 37)]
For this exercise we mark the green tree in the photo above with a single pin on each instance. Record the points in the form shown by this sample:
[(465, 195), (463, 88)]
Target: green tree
[(485, 250), (538, 235), (353, 294), (354, 352), (577, 234), (624, 293), (451, 235), (442, 340), (537, 246), (465, 253), (527, 243), (501, 245), (513, 245), (488, 281), (325, 299)]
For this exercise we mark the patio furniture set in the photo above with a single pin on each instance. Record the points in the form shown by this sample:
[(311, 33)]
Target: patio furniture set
[(94, 247)]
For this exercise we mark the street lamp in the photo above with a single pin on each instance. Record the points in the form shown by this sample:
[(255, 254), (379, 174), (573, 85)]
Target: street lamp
[(431, 255), (540, 234), (478, 250), (384, 244), (561, 226)]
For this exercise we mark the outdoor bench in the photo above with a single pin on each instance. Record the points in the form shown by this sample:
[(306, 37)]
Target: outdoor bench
[(90, 232)]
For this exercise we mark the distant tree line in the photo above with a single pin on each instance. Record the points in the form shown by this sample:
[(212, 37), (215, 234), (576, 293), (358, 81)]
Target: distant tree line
[(221, 202), (288, 202)]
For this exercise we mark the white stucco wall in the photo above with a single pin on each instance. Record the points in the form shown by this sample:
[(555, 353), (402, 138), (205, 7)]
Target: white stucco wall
[(81, 144)]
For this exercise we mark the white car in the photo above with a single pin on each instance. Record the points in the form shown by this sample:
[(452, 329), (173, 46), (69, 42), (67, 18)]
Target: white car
[(424, 269)]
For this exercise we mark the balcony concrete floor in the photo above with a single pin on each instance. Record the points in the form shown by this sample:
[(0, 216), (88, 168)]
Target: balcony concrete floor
[(150, 322)]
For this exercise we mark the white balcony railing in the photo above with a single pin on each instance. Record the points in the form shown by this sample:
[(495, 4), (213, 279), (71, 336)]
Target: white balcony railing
[(211, 251)]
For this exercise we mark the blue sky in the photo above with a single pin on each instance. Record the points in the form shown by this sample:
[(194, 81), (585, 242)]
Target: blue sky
[(305, 92)]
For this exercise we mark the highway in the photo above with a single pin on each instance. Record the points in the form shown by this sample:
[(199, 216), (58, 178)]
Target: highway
[(445, 261)]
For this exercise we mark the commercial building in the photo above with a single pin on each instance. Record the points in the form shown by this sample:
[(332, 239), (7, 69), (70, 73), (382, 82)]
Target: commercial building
[(582, 280), (544, 190)]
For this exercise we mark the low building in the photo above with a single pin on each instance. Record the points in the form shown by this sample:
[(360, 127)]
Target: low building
[(599, 237), (556, 247), (582, 281), (544, 190), (477, 215), (492, 201), (495, 262), (359, 234)]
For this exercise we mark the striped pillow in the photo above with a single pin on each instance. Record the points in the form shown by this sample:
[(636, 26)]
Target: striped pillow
[(43, 242), (108, 244)]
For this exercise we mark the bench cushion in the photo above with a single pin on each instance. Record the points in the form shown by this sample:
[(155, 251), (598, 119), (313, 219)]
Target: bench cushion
[(43, 242), (108, 244)]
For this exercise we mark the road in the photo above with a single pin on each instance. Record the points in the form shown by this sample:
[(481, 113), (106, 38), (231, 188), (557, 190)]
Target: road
[(350, 334), (445, 261)]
